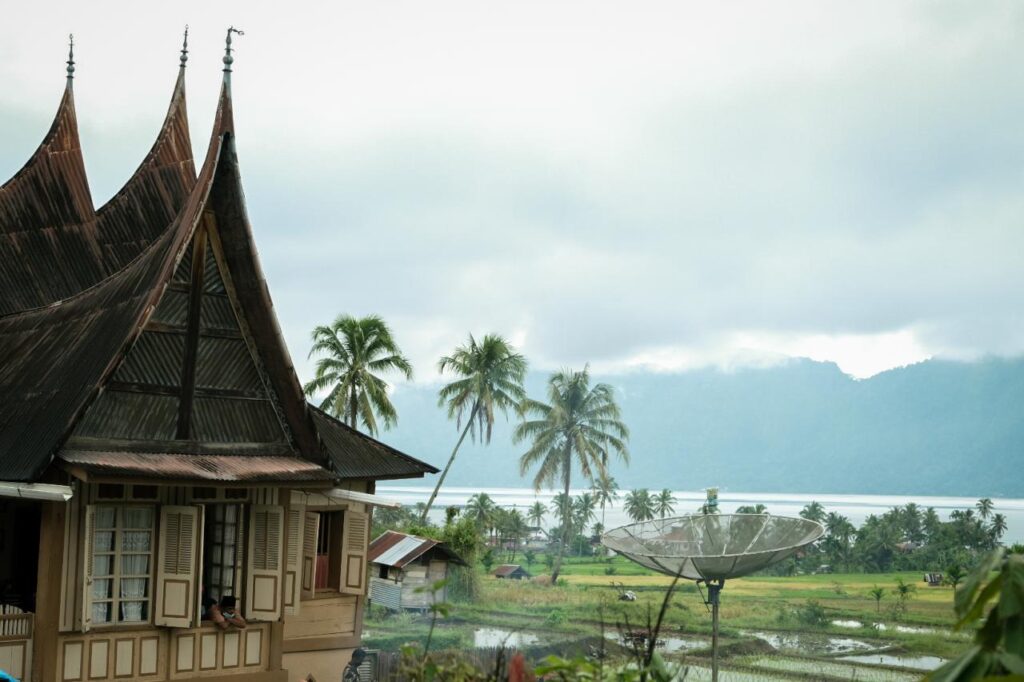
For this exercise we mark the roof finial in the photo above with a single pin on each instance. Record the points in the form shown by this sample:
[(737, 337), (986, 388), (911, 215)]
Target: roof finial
[(184, 48), (71, 56), (228, 59)]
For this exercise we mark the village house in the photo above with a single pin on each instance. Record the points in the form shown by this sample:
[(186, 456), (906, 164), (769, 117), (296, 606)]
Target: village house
[(510, 572), (405, 567), (156, 450)]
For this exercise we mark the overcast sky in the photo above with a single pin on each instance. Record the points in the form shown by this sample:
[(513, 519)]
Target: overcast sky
[(648, 184)]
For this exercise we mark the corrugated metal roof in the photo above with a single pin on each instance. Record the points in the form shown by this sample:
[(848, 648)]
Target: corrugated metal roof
[(187, 467), (56, 358), (53, 245), (508, 569), (356, 455), (400, 549), (403, 551)]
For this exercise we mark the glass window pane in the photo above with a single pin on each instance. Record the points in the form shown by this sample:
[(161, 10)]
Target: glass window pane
[(229, 580), (104, 517), (102, 589), (135, 564), (135, 541), (102, 565), (138, 517), (214, 575), (230, 512), (134, 588), (103, 541), (134, 611), (101, 612)]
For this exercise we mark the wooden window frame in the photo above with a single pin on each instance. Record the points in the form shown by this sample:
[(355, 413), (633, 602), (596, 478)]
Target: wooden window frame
[(116, 554), (241, 550)]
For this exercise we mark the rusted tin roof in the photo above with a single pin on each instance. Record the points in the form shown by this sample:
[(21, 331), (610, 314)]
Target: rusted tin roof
[(400, 549), (52, 244), (56, 358), (356, 455), (66, 383), (188, 467), (506, 570)]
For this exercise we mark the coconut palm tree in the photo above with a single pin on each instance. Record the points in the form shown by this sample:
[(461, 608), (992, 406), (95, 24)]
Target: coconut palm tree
[(984, 507), (606, 491), (536, 514), (489, 379), (813, 512), (578, 426), (931, 522), (355, 351), (583, 512), (639, 505), (997, 527), (481, 509), (663, 503), (752, 509)]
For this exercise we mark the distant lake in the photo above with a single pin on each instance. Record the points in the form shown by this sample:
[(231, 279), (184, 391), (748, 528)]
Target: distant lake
[(855, 507)]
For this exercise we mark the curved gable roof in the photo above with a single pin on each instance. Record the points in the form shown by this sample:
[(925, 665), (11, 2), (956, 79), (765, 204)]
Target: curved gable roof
[(53, 244)]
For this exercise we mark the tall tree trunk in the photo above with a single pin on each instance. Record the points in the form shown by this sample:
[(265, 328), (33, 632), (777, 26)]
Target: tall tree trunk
[(566, 521), (353, 407), (444, 474)]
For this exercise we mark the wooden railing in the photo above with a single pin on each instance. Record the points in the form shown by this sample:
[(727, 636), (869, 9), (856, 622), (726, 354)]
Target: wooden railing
[(15, 623)]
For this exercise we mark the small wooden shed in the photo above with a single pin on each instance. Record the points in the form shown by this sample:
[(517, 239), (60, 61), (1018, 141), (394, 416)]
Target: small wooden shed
[(402, 564), (510, 572)]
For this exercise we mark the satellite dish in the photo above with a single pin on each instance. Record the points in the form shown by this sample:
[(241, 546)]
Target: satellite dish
[(712, 548)]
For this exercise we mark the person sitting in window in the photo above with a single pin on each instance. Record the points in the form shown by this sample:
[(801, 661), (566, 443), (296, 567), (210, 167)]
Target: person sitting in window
[(225, 614)]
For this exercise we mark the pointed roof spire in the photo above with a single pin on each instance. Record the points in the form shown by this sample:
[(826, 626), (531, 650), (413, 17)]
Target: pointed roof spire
[(184, 48), (71, 56), (228, 59)]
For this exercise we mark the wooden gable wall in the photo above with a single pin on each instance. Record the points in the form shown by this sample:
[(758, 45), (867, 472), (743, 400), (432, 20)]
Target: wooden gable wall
[(193, 376)]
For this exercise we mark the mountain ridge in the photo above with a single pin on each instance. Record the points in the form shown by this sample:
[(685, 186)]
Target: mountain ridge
[(936, 427)]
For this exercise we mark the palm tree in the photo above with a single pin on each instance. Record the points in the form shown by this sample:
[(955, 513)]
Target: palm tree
[(752, 509), (355, 351), (489, 379), (997, 527), (813, 512), (931, 522), (578, 426), (606, 491), (984, 507), (583, 512), (481, 509), (536, 514), (663, 503), (639, 505), (561, 507)]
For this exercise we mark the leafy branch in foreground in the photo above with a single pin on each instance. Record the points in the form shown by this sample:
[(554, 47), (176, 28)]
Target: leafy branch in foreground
[(998, 649)]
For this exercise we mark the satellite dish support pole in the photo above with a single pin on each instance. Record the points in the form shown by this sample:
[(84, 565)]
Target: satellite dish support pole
[(714, 588)]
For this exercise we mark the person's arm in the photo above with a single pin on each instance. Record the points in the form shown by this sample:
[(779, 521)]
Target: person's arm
[(236, 619), (218, 618)]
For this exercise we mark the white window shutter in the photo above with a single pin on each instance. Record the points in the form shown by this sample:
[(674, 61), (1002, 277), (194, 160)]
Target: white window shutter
[(310, 530), (354, 541), (266, 563), (293, 562), (177, 566), (87, 561)]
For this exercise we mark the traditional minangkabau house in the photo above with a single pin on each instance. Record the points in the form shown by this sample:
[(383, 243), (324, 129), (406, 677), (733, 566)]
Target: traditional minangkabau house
[(156, 449)]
